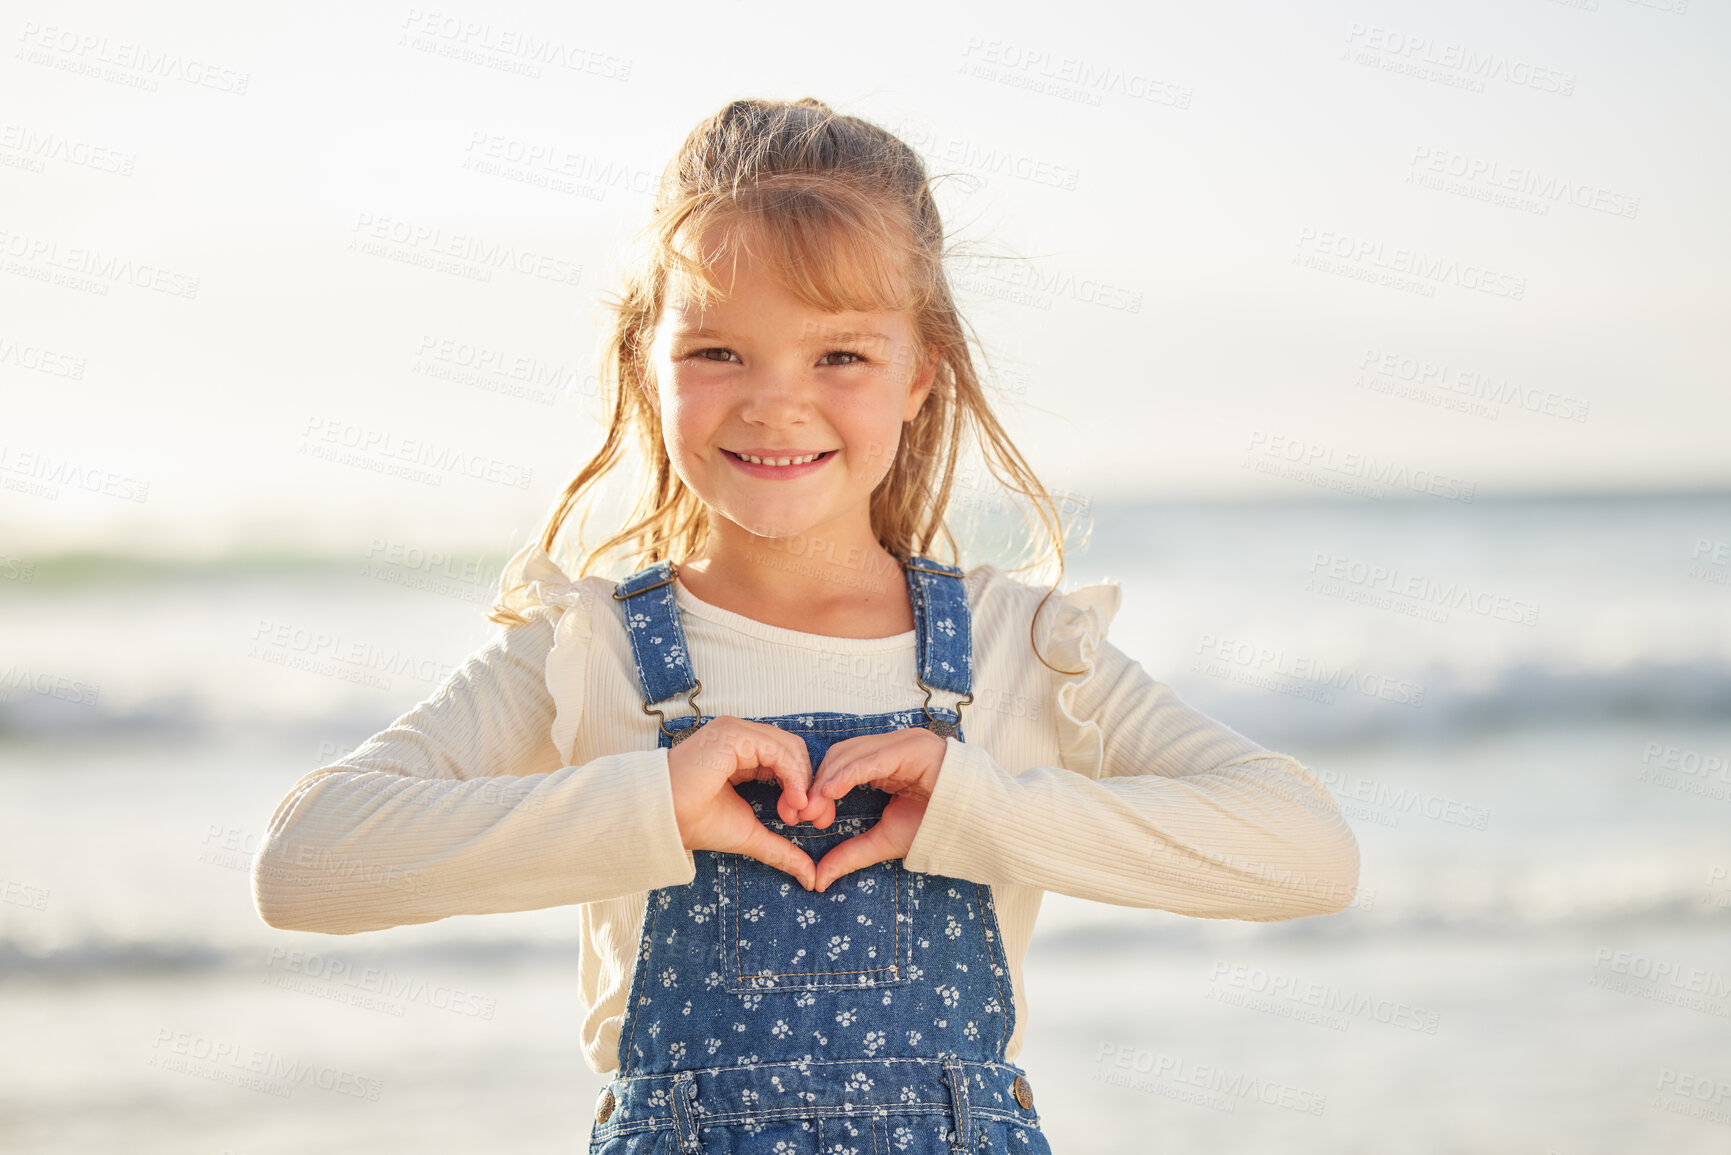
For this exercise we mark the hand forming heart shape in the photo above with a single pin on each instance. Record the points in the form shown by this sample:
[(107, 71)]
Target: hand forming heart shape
[(905, 764), (726, 750)]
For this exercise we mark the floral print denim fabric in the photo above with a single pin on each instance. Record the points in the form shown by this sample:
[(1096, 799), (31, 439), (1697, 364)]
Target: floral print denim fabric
[(868, 1019)]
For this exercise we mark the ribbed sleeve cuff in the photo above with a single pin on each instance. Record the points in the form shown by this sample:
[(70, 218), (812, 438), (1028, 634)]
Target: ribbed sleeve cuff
[(954, 837), (639, 837)]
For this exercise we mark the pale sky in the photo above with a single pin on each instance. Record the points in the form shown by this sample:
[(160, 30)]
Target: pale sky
[(1206, 200)]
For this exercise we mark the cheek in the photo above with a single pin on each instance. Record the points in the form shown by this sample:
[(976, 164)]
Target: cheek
[(874, 438), (684, 422)]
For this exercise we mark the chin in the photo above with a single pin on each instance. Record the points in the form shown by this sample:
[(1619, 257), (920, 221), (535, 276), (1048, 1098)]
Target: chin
[(767, 526)]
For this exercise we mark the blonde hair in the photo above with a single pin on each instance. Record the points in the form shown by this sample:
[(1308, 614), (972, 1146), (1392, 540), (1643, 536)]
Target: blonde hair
[(842, 213)]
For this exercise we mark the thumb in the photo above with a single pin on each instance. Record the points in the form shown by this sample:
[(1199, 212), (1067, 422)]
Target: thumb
[(772, 849), (862, 850)]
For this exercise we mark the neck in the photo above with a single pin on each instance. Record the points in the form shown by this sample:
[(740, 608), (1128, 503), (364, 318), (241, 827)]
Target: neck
[(815, 569)]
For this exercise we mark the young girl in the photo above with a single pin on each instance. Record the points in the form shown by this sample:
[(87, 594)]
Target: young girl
[(807, 782)]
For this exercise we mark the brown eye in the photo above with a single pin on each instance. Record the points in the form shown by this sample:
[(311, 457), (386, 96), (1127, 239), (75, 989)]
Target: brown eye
[(857, 358)]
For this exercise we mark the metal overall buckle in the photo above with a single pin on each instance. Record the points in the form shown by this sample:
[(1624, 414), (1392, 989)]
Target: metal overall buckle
[(676, 736), (937, 725)]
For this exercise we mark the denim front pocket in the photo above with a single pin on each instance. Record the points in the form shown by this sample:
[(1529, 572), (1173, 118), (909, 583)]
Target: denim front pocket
[(776, 935)]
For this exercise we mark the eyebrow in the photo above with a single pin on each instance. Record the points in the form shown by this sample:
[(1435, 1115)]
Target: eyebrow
[(823, 337)]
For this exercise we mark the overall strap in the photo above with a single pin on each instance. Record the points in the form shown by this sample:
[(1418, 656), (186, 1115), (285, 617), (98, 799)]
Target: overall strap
[(944, 627), (657, 639)]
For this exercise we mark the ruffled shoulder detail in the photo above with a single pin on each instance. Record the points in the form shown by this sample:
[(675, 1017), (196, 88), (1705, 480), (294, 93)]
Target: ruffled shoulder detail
[(532, 579), (1075, 624)]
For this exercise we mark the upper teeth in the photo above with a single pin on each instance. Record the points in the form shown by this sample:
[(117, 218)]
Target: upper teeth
[(780, 460)]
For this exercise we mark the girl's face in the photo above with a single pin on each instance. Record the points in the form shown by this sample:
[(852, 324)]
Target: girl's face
[(818, 399)]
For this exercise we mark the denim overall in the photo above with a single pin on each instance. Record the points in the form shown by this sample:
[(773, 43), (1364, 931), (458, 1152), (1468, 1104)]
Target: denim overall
[(867, 1019)]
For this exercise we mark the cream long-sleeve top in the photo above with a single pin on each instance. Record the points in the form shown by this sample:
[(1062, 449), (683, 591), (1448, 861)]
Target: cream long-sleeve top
[(532, 778)]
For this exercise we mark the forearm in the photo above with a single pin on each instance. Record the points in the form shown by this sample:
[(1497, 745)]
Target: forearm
[(354, 850), (1255, 839)]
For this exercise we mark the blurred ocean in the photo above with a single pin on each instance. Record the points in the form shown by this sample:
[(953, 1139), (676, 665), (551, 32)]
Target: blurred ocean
[(1523, 706)]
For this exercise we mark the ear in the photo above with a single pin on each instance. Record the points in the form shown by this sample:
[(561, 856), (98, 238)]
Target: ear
[(921, 386)]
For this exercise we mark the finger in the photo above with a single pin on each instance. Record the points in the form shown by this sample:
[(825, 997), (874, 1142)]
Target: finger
[(867, 849), (773, 850), (893, 762), (820, 812), (845, 765), (782, 755), (818, 809), (835, 760), (792, 803), (833, 782), (796, 780)]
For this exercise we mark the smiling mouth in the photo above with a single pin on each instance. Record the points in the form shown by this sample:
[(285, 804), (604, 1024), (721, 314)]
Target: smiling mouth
[(801, 459)]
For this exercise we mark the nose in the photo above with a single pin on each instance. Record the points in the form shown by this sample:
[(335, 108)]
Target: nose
[(776, 396)]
